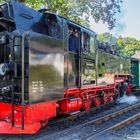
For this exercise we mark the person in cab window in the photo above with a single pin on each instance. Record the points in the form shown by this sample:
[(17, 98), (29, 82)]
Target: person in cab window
[(71, 40), (76, 38)]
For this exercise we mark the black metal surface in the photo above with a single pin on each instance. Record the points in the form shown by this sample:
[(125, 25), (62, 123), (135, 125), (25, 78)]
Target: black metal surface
[(110, 65), (24, 23), (72, 70), (46, 68), (88, 72)]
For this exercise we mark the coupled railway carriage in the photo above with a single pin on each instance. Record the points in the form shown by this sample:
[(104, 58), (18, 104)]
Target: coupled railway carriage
[(50, 66), (135, 71)]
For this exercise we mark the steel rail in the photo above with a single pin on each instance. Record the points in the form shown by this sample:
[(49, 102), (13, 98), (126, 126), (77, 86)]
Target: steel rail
[(114, 127)]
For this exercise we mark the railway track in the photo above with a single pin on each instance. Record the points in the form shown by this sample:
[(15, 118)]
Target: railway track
[(115, 127), (93, 128)]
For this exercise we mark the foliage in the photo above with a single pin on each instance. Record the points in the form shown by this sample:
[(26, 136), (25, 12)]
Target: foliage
[(126, 46), (36, 4), (107, 37), (80, 10)]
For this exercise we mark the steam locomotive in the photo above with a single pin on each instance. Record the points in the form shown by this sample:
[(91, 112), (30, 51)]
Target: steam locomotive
[(51, 66)]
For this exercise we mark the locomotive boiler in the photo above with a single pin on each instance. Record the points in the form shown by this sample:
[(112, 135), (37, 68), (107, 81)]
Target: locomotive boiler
[(50, 66)]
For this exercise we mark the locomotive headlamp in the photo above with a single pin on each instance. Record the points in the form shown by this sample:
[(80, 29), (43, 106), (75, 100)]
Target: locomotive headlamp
[(3, 69), (2, 39)]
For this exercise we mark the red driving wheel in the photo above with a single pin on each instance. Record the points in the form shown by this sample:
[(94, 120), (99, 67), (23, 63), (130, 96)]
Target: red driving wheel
[(96, 101), (105, 98), (111, 98), (87, 103)]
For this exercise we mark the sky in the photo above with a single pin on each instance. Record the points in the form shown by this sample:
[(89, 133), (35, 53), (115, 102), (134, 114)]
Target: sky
[(129, 21)]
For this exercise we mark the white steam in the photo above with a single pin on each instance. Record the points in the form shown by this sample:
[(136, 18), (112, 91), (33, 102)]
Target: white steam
[(128, 99)]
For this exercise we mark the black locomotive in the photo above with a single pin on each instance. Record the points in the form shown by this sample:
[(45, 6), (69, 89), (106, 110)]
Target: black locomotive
[(50, 66)]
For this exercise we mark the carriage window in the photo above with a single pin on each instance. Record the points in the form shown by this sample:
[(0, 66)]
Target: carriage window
[(92, 45), (86, 43)]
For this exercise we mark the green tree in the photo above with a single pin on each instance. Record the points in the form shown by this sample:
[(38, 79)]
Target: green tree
[(126, 46), (107, 37), (80, 10)]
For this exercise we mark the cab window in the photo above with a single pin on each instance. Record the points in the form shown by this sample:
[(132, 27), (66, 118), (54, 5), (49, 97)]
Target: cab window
[(85, 42), (74, 39), (92, 44)]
